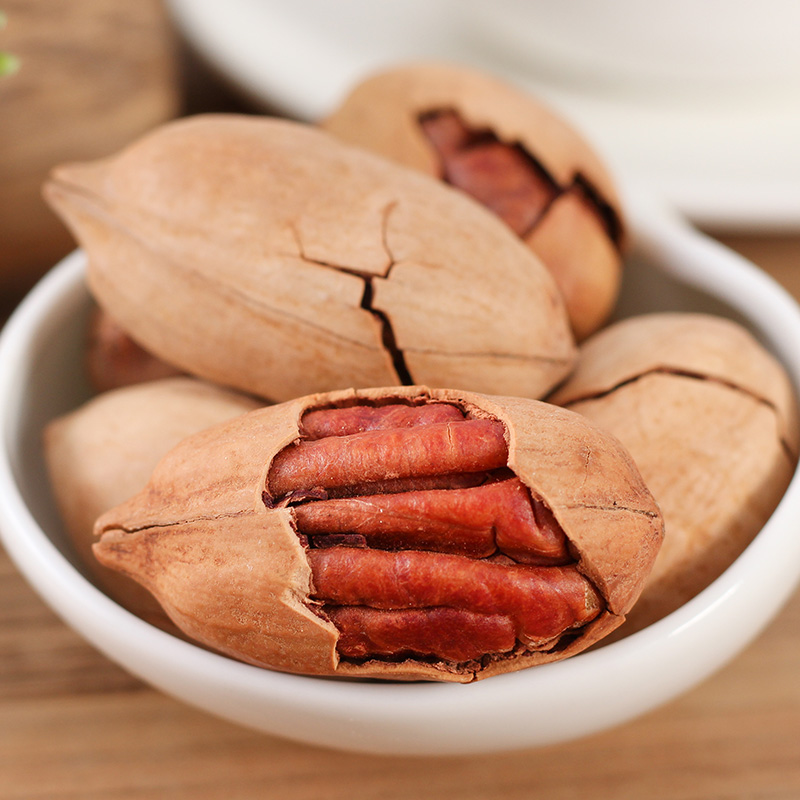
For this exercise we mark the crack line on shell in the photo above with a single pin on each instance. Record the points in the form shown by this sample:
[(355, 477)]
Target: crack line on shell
[(188, 521), (587, 460), (684, 373), (387, 212), (604, 210), (615, 508), (489, 354), (388, 340), (223, 288), (248, 302), (390, 259)]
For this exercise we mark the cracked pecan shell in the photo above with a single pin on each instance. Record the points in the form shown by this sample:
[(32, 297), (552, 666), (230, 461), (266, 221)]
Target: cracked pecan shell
[(510, 153), (402, 533), (268, 256), (710, 417)]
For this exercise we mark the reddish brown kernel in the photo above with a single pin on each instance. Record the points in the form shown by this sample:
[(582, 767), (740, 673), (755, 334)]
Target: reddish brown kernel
[(446, 131), (422, 483), (500, 176), (324, 422), (475, 521), (543, 602), (447, 633), (336, 461), (421, 541), (114, 360)]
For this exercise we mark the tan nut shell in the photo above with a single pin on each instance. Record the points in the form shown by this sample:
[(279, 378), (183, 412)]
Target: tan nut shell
[(266, 255), (381, 114), (233, 575), (103, 452), (711, 420)]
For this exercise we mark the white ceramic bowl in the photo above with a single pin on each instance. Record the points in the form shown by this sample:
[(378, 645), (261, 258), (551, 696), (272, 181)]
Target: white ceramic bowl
[(673, 267), (683, 47)]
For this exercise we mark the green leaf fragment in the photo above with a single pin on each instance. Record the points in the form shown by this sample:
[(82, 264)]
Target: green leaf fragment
[(8, 63)]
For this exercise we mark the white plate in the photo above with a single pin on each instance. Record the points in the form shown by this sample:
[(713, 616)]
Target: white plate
[(672, 268), (727, 159)]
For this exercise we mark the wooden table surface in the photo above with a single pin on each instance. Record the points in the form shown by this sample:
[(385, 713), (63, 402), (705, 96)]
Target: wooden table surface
[(75, 725)]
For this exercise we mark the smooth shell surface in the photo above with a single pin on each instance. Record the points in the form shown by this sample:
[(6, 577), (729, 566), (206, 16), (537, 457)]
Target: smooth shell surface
[(104, 452), (711, 420), (579, 235), (266, 255), (233, 574)]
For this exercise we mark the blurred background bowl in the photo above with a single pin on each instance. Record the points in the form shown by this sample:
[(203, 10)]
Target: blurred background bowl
[(698, 102)]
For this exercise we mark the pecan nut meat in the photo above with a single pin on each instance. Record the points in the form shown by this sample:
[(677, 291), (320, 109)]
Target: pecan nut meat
[(400, 533)]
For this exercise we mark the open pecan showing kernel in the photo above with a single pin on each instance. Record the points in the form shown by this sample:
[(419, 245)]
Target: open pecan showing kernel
[(510, 153), (401, 533)]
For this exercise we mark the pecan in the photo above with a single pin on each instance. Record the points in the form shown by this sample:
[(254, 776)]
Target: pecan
[(710, 417), (266, 255), (274, 539), (510, 153), (104, 451)]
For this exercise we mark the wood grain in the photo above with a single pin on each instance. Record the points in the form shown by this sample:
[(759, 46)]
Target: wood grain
[(74, 725), (93, 75)]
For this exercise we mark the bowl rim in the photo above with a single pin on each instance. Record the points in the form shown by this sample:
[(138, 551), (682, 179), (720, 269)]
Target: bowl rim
[(496, 714)]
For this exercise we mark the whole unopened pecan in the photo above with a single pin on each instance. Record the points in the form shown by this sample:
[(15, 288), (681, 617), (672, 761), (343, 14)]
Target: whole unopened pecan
[(392, 533), (104, 451), (266, 255), (513, 155), (710, 417)]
